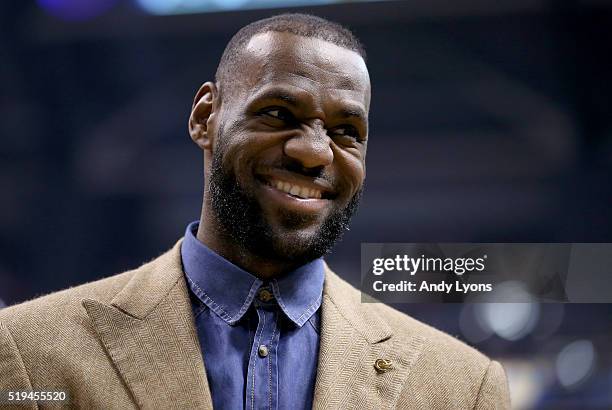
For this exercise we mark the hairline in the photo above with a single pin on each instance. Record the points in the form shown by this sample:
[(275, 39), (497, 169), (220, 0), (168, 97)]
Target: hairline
[(242, 46)]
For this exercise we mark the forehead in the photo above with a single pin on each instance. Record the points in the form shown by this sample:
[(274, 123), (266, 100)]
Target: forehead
[(314, 65)]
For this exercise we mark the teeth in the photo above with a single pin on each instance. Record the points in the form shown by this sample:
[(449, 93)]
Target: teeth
[(296, 190)]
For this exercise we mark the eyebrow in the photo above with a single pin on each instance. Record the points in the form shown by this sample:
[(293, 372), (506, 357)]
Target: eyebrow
[(352, 113), (278, 94)]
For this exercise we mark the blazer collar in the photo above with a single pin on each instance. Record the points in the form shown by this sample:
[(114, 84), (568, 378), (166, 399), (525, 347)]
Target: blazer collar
[(353, 337), (360, 316), (149, 334)]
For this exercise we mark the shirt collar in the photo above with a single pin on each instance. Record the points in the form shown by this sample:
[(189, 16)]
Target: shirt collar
[(229, 290)]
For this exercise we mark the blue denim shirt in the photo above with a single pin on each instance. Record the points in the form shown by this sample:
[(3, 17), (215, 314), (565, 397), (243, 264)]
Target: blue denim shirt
[(259, 340)]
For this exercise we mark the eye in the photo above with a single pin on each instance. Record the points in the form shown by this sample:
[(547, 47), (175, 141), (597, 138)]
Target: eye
[(278, 113), (346, 131)]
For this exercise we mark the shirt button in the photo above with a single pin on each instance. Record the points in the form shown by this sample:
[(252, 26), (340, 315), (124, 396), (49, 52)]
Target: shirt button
[(263, 351), (265, 295)]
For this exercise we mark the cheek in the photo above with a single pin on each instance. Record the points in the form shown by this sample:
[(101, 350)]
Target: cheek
[(351, 169), (248, 150)]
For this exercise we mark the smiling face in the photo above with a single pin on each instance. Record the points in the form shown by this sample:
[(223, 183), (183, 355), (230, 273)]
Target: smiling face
[(284, 149)]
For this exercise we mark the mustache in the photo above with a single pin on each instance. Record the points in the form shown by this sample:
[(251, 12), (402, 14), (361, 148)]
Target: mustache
[(288, 164)]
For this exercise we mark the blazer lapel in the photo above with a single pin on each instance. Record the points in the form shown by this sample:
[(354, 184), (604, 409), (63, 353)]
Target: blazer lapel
[(149, 334), (353, 338)]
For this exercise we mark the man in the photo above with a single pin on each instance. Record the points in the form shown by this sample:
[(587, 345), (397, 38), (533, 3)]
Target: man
[(243, 312)]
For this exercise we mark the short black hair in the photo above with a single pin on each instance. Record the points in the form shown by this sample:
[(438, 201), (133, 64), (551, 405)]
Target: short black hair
[(305, 25)]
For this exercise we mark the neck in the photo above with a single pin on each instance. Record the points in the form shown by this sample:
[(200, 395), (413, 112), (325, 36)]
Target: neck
[(211, 235)]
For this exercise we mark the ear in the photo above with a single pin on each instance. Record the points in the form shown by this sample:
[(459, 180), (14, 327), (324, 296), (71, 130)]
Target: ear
[(202, 115)]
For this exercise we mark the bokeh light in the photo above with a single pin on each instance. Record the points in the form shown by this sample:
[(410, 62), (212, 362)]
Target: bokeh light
[(511, 321), (575, 363)]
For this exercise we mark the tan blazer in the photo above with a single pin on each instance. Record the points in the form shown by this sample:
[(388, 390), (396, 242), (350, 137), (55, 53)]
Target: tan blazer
[(130, 341)]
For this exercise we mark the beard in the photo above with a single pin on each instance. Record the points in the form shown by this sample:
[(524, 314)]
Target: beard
[(241, 219)]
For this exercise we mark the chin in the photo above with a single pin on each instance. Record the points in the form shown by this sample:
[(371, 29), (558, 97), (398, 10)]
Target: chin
[(296, 240), (297, 246)]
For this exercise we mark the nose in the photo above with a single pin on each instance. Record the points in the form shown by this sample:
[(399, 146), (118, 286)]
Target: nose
[(311, 147)]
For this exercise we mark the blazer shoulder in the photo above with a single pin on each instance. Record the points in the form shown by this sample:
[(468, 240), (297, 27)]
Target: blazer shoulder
[(56, 307), (64, 310)]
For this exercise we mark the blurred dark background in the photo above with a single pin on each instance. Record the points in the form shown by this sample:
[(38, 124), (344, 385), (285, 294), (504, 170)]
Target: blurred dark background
[(490, 122)]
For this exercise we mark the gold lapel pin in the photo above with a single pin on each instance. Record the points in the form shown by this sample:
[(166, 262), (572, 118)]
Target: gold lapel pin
[(383, 365)]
